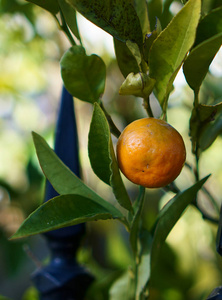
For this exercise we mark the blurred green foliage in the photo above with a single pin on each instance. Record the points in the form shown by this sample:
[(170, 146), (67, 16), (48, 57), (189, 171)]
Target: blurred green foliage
[(30, 84)]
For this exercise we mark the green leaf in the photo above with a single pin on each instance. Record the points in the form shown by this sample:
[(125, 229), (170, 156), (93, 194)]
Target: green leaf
[(102, 157), (197, 63), (140, 85), (209, 26), (84, 76), (62, 179), (50, 5), (70, 17), (99, 145), (155, 8), (150, 38), (200, 125), (126, 61), (63, 211), (134, 49), (168, 217), (142, 12), (143, 268), (118, 18), (171, 46), (136, 220), (209, 133), (123, 287)]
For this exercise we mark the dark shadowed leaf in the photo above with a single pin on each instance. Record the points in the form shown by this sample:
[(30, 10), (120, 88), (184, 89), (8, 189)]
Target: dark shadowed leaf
[(171, 46), (201, 125), (155, 8), (84, 76), (168, 217), (118, 18), (63, 211), (209, 26), (51, 5), (197, 63), (210, 133), (125, 59), (102, 157), (62, 179)]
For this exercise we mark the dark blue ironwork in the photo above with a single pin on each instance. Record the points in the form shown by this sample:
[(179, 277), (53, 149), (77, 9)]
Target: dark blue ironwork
[(64, 278), (217, 292)]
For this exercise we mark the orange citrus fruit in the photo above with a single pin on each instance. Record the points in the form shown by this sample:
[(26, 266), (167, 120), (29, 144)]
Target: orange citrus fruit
[(150, 152)]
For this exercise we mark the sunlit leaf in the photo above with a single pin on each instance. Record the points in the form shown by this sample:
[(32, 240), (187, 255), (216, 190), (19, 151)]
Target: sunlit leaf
[(84, 76), (197, 63), (118, 18), (168, 217), (51, 5), (171, 46), (62, 211), (62, 179), (102, 157), (123, 287)]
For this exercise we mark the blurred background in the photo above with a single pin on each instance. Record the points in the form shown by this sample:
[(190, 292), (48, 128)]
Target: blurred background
[(31, 46)]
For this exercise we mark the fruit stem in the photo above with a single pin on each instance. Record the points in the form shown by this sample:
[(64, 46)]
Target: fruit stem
[(146, 104), (114, 130), (65, 28)]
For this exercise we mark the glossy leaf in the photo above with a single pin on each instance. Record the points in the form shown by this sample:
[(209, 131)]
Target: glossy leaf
[(171, 46), (102, 157), (63, 211), (62, 179), (70, 17), (209, 26), (168, 217), (84, 76), (50, 5), (118, 18), (125, 59), (197, 63)]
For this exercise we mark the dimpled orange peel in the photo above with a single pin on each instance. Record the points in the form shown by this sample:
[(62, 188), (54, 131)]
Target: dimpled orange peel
[(150, 152)]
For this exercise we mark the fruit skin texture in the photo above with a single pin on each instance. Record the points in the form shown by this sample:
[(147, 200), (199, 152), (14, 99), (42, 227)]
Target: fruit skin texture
[(150, 152)]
